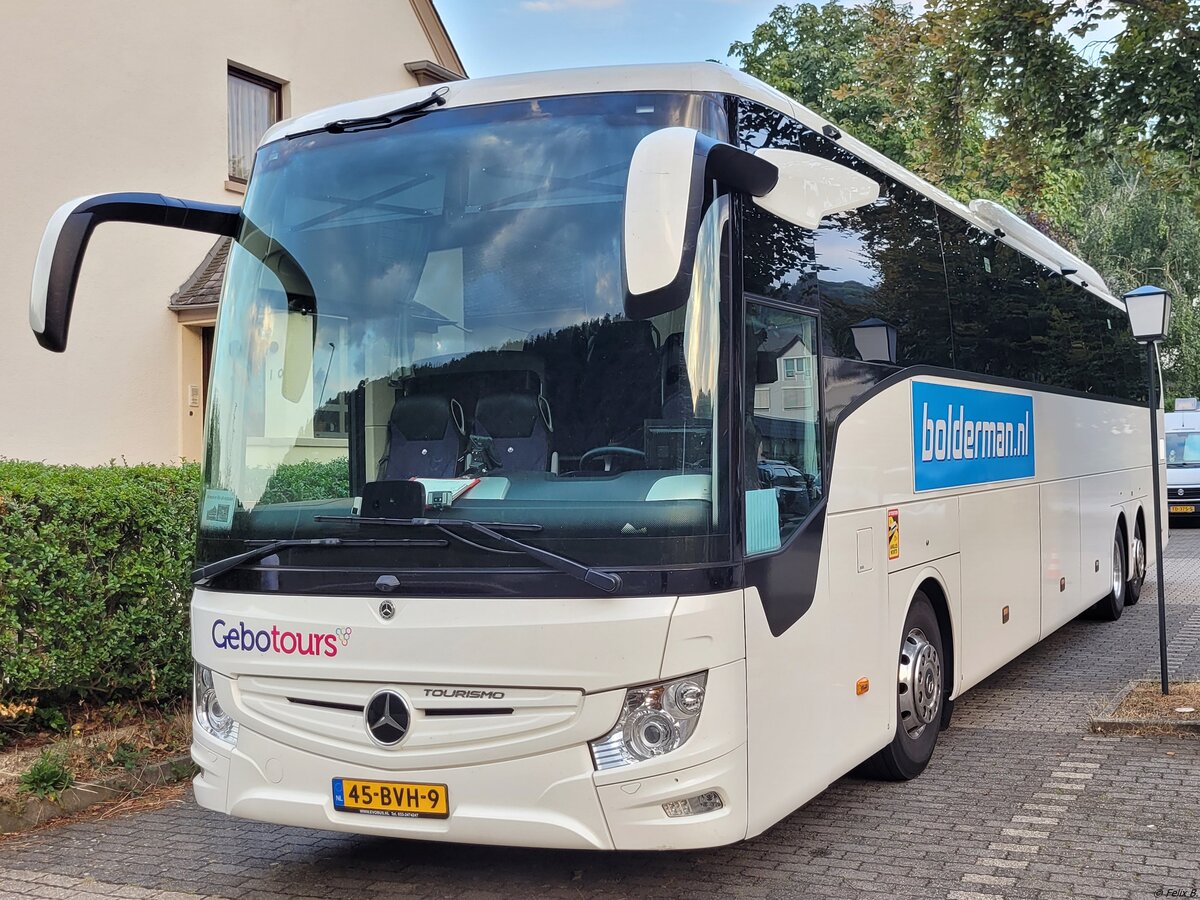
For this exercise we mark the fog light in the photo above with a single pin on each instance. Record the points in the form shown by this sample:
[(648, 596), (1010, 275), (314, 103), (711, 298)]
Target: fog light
[(709, 801)]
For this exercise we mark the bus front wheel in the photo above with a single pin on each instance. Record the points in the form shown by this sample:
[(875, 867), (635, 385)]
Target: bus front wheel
[(920, 697)]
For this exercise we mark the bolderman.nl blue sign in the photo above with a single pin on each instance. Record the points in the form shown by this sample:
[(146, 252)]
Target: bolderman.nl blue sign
[(964, 436)]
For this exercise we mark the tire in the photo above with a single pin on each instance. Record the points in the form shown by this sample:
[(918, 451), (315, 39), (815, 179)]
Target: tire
[(919, 716), (1109, 609), (1137, 567)]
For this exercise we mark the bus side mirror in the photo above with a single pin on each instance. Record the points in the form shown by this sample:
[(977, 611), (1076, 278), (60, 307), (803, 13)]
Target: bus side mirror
[(766, 367), (60, 257), (664, 202), (810, 188), (669, 175)]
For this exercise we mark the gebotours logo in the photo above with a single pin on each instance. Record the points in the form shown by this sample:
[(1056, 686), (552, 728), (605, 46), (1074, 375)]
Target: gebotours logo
[(276, 640)]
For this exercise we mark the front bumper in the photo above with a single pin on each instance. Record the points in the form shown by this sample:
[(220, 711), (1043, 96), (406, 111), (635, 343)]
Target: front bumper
[(548, 799)]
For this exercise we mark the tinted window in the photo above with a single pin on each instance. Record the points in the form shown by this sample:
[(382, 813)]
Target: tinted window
[(1086, 343), (1014, 318), (994, 301), (883, 262), (780, 258)]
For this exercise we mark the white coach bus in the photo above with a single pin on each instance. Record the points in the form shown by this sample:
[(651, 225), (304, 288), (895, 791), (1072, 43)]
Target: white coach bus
[(615, 458)]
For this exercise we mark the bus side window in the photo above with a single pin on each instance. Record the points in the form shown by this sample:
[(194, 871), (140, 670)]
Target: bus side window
[(1015, 318), (782, 417)]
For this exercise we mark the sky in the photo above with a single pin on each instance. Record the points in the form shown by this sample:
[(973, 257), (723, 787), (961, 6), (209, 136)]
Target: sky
[(499, 37)]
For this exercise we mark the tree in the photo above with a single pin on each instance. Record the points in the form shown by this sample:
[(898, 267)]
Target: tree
[(819, 56), (989, 98)]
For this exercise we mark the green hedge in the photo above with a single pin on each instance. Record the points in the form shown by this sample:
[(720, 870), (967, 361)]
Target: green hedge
[(308, 481), (95, 583)]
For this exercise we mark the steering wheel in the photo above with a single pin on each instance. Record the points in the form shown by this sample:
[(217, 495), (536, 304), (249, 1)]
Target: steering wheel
[(598, 452)]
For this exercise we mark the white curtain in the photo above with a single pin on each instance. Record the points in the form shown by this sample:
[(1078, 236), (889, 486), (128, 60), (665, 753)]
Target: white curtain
[(253, 108)]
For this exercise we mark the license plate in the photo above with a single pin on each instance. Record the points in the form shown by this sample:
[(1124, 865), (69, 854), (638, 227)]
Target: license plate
[(391, 798), (1183, 509)]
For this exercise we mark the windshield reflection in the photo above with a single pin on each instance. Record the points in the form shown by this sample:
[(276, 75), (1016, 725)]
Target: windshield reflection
[(442, 301)]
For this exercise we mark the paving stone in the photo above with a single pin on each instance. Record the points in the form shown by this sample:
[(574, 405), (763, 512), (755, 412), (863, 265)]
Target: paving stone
[(1019, 801)]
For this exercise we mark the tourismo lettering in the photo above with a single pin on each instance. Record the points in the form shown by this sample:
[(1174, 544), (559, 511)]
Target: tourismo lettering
[(274, 640), (958, 437)]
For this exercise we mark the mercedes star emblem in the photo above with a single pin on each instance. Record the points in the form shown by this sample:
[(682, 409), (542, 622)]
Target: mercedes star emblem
[(1179, 493), (387, 609), (387, 718)]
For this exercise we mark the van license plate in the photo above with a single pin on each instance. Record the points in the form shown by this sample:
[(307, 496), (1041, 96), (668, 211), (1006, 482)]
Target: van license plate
[(391, 798), (1183, 509)]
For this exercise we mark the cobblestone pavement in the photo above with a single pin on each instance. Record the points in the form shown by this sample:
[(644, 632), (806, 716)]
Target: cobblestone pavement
[(1020, 801)]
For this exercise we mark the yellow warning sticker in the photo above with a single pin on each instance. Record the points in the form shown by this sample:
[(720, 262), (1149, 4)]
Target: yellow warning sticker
[(893, 522)]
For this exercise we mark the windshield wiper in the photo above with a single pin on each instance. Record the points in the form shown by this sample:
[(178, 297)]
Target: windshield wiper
[(206, 573), (383, 120), (608, 582)]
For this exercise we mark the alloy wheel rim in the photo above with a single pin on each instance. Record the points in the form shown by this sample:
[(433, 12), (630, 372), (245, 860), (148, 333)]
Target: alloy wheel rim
[(919, 683), (1118, 574), (1139, 558)]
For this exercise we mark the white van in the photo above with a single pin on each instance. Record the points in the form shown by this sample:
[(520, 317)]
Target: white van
[(1183, 461)]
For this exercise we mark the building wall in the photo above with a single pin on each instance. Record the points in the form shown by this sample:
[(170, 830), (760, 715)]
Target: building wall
[(131, 95)]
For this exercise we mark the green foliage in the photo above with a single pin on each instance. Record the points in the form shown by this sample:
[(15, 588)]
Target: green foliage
[(308, 480), (95, 581), (46, 777), (1137, 232), (989, 98), (50, 717), (1152, 78), (127, 756), (820, 57)]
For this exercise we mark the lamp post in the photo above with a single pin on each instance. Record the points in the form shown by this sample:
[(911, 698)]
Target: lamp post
[(1149, 311), (875, 340)]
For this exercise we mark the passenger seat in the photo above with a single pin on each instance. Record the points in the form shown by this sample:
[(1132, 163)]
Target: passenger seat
[(425, 438)]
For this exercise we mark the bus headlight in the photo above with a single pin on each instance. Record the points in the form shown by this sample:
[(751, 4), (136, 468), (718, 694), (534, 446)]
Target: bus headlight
[(207, 709), (655, 719)]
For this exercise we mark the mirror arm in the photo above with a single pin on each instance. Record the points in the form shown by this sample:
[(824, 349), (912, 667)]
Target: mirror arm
[(60, 256), (739, 170)]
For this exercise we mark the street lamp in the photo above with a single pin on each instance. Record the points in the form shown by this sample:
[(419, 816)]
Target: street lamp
[(1149, 311), (875, 340)]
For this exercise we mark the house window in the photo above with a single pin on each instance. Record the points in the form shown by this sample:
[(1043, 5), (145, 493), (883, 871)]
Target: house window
[(796, 398), (795, 367), (255, 104), (762, 398)]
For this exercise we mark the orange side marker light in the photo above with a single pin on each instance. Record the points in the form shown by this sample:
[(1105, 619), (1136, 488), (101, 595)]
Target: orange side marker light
[(862, 686)]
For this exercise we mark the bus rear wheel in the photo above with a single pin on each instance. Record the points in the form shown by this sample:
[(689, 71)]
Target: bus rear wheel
[(1109, 608), (1137, 566), (920, 698)]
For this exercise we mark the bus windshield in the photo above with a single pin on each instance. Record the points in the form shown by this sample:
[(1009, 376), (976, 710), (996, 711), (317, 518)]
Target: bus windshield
[(442, 300), (1183, 448)]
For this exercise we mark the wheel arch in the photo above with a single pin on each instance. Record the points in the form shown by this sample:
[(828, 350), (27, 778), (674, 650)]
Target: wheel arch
[(935, 582), (1126, 537), (933, 588)]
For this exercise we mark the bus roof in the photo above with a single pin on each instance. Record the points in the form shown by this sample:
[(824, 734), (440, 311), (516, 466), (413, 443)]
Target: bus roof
[(1182, 421), (710, 78)]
